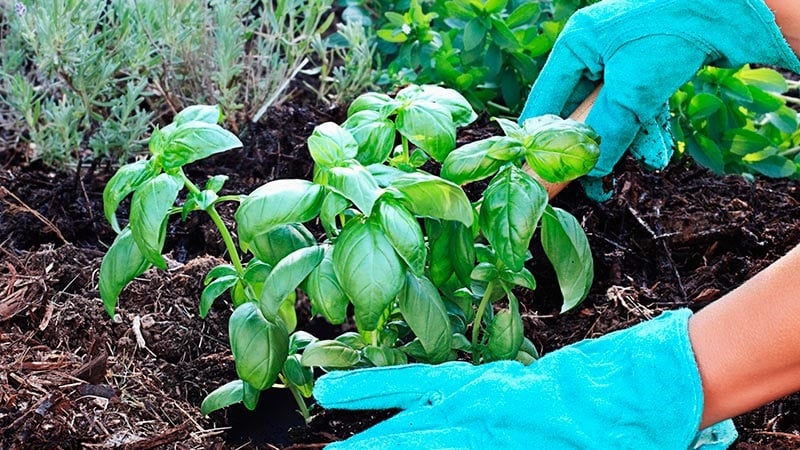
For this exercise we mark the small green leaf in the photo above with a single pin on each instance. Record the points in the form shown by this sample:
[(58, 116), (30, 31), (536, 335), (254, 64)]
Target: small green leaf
[(127, 179), (250, 396), (195, 140), (259, 346), (470, 162), (221, 270), (286, 276), (200, 113), (324, 291), (300, 340), (522, 278), (150, 208), (226, 395), (567, 248), (375, 136), (215, 183), (277, 243), (703, 105), (429, 126), (329, 354), (277, 203), (368, 269), (452, 252), (425, 312), (430, 196), (122, 263), (300, 376), (330, 145), (373, 101), (214, 289), (525, 14), (474, 35), (459, 107), (404, 232), (562, 151), (764, 78), (383, 356), (512, 206), (505, 332), (355, 183), (333, 205)]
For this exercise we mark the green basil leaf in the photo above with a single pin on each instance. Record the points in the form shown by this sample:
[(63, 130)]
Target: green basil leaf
[(324, 291), (522, 278), (259, 346), (150, 208), (195, 140), (253, 279), (368, 269), (300, 376), (355, 183), (784, 119), (567, 248), (429, 126), (503, 37), (404, 232), (127, 179), (277, 243), (277, 203), (430, 196), (333, 205), (505, 332), (373, 101), (452, 252), (562, 152), (200, 113), (470, 162), (459, 107), (704, 105), (384, 174), (512, 206), (300, 340), (510, 128), (215, 183), (214, 289), (226, 395), (286, 276), (774, 167), (122, 263), (329, 354), (763, 78), (474, 35), (330, 145), (218, 271), (375, 136), (250, 396), (425, 312), (741, 141), (485, 272), (525, 14), (288, 313), (352, 339), (383, 356)]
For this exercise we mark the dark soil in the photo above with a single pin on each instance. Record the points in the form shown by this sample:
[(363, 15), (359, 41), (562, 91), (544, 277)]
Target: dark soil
[(71, 377)]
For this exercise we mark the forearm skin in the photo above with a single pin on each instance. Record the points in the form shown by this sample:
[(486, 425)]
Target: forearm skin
[(787, 16), (747, 344)]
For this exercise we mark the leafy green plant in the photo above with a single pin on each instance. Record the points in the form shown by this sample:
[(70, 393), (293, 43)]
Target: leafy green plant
[(417, 261), (490, 51), (737, 121)]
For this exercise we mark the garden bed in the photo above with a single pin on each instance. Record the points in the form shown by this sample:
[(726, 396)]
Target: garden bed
[(70, 377)]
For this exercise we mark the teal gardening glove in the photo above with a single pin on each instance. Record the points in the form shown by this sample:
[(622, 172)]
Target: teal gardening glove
[(632, 389), (644, 50)]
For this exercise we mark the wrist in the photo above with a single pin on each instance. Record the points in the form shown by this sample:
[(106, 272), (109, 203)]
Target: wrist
[(787, 16)]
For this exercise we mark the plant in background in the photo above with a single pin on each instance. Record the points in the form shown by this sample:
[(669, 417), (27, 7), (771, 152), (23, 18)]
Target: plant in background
[(418, 262), (737, 121)]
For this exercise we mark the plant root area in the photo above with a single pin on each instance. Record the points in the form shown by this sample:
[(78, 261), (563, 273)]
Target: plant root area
[(71, 377)]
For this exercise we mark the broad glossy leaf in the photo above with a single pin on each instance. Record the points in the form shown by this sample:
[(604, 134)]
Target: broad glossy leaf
[(384, 356), (375, 136), (200, 113), (505, 332), (286, 276), (122, 263), (426, 314), (474, 35), (704, 105), (452, 252), (300, 340), (126, 180), (470, 162), (255, 274), (512, 206), (503, 37), (149, 213), (368, 269), (288, 313), (522, 278), (459, 107), (373, 101), (784, 119), (213, 290), (219, 271), (352, 339), (384, 174), (485, 272), (355, 183), (764, 78), (226, 395), (567, 248), (404, 233), (278, 242), (277, 203), (250, 396), (525, 14), (562, 151), (430, 196), (329, 354), (333, 205), (196, 140), (429, 126), (259, 346), (331, 145), (774, 167), (299, 375), (326, 294), (742, 141)]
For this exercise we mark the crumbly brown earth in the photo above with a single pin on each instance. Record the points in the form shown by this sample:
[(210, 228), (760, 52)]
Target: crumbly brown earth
[(71, 377)]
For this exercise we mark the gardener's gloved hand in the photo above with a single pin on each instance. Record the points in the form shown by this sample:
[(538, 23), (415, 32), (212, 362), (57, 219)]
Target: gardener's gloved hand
[(633, 389), (644, 50)]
